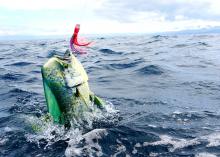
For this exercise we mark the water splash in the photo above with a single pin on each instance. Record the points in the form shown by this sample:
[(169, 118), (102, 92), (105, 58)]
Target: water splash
[(46, 133)]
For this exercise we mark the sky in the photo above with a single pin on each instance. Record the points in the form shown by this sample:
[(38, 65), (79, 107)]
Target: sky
[(58, 17)]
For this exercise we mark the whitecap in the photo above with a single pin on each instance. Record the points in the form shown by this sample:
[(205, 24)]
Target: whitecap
[(90, 144), (213, 139), (176, 143), (205, 154), (78, 133)]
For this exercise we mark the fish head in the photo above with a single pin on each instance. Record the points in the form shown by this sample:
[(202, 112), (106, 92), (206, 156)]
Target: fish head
[(68, 68)]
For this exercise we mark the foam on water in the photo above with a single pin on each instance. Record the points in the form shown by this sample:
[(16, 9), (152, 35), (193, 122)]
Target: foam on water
[(213, 139), (86, 144), (174, 142), (3, 141), (120, 149), (178, 143), (82, 131), (205, 154)]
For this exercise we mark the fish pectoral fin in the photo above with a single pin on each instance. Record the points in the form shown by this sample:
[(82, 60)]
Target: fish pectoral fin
[(98, 101)]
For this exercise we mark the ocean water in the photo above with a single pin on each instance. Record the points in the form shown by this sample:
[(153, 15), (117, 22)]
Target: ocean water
[(163, 95)]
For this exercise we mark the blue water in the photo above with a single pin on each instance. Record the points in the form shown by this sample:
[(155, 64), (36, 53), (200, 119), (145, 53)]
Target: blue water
[(165, 90)]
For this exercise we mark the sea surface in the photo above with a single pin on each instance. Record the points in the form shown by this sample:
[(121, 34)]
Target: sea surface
[(162, 93)]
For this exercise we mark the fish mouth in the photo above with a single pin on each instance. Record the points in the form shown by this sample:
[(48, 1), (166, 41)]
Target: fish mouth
[(66, 58)]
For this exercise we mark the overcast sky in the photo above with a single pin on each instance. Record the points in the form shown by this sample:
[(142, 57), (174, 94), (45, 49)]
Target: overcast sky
[(58, 17)]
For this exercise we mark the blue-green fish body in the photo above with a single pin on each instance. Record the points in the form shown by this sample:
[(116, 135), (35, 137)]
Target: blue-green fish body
[(66, 88)]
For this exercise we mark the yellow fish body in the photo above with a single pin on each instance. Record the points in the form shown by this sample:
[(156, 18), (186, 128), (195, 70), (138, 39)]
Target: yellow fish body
[(66, 88)]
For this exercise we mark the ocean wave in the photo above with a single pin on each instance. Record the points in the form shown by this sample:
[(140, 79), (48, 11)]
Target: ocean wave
[(109, 51), (32, 80), (180, 45), (51, 53), (165, 87), (150, 70), (174, 142), (125, 65), (19, 64), (160, 37), (13, 76), (203, 44)]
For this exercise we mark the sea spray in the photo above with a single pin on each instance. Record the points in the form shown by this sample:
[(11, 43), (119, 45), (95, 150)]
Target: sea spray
[(48, 133)]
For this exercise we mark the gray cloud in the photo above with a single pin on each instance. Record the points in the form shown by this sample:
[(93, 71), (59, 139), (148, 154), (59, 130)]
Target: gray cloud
[(123, 10)]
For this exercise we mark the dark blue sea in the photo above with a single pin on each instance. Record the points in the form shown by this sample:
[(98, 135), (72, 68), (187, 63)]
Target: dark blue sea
[(162, 93)]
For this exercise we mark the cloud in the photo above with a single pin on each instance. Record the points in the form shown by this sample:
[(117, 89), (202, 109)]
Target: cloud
[(44, 17), (55, 17), (157, 10), (48, 4)]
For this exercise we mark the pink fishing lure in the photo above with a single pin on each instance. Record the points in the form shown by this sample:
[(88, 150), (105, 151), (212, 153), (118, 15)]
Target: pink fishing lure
[(74, 43)]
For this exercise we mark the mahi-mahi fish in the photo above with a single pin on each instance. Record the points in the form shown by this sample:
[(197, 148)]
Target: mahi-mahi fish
[(66, 88)]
